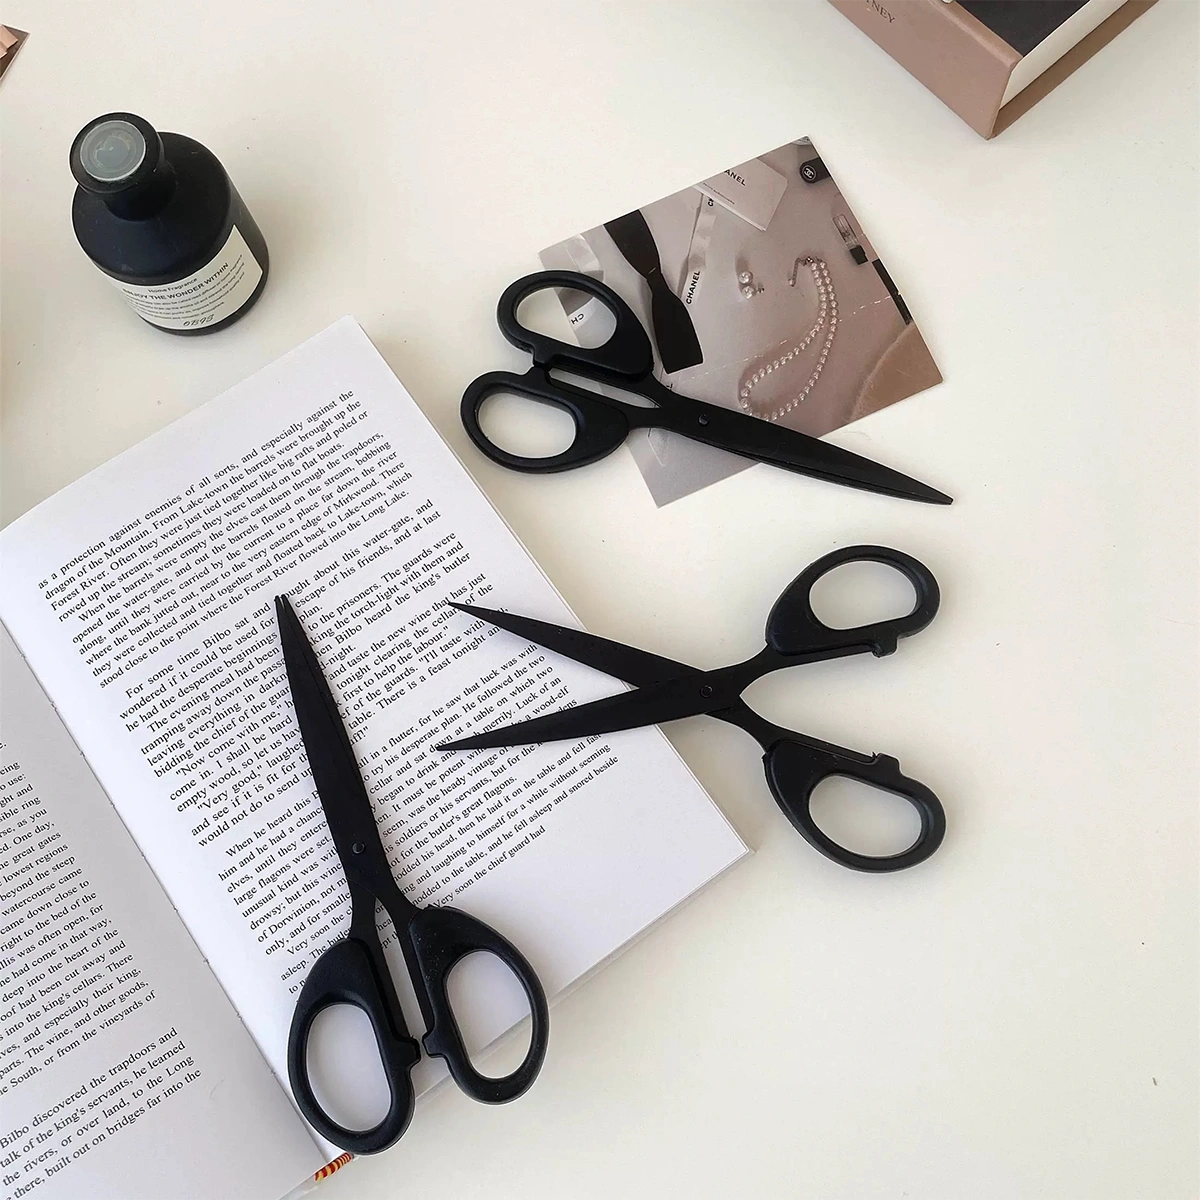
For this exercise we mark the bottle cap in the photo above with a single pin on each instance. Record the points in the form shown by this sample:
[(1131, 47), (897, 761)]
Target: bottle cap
[(115, 152)]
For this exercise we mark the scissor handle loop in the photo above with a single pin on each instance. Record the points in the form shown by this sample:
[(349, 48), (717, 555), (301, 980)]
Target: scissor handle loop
[(795, 766), (441, 937), (625, 357), (351, 972), (601, 424), (793, 628)]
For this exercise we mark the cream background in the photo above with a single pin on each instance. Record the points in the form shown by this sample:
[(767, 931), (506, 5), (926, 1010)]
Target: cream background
[(1017, 1018)]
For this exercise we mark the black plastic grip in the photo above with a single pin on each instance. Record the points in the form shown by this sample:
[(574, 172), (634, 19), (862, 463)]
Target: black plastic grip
[(348, 973), (441, 937), (600, 426), (794, 629), (625, 356), (796, 765)]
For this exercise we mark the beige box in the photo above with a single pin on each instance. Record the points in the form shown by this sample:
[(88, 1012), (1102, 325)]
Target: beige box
[(11, 41), (968, 65)]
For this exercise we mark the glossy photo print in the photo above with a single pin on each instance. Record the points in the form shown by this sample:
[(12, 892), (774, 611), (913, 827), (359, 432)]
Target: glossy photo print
[(761, 292)]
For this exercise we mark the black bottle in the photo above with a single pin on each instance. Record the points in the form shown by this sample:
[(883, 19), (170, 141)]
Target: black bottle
[(159, 216)]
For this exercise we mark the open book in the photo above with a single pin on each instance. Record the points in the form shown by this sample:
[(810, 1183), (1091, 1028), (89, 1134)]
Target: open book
[(166, 874)]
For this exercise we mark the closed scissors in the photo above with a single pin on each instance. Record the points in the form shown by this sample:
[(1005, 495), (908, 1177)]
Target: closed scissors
[(626, 360), (353, 970), (794, 763)]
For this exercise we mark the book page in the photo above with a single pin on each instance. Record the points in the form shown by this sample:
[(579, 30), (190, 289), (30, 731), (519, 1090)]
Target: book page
[(143, 598), (124, 1071)]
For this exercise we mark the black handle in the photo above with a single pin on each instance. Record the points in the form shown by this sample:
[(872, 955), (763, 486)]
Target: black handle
[(793, 629), (351, 972), (625, 357), (440, 937), (601, 425), (795, 765)]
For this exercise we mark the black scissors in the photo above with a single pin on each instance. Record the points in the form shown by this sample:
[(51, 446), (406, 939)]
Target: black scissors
[(626, 360), (353, 970), (667, 690)]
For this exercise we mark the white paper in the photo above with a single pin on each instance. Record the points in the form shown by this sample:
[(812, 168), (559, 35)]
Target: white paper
[(752, 190), (381, 515), (132, 1077)]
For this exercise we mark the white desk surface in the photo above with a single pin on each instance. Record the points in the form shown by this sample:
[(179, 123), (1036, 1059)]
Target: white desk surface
[(1016, 1018)]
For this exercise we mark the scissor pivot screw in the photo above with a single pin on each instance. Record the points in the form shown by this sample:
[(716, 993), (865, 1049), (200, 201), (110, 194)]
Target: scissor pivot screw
[(358, 847), (706, 691), (703, 418)]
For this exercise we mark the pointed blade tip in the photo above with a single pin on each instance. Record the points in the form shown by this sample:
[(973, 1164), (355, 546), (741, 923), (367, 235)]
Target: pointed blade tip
[(933, 496), (911, 489), (903, 488), (481, 742), (288, 621), (461, 744)]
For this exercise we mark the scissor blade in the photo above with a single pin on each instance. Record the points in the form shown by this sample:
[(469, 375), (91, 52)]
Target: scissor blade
[(670, 701), (794, 451), (635, 666), (330, 754)]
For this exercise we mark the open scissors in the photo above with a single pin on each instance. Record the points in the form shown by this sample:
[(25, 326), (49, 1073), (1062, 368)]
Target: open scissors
[(626, 360), (353, 970), (667, 690)]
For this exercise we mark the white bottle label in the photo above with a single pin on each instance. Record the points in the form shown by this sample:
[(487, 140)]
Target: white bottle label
[(210, 295)]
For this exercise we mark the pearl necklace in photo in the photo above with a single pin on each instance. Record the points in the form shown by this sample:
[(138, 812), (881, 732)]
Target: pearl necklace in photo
[(827, 320)]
